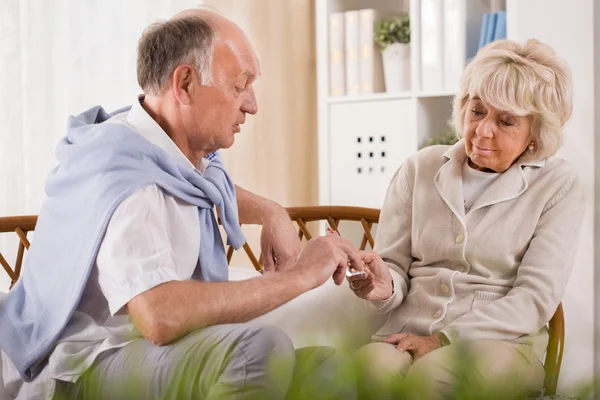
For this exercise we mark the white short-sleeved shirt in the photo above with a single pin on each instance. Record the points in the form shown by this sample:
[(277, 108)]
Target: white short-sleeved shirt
[(152, 238)]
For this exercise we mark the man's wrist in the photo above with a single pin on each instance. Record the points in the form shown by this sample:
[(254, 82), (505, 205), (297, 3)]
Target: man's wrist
[(274, 212), (256, 210), (302, 280)]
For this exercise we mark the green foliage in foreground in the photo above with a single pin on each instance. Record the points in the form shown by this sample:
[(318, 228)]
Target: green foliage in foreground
[(465, 387)]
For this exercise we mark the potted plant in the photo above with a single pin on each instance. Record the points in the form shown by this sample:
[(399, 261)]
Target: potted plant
[(447, 138), (392, 36)]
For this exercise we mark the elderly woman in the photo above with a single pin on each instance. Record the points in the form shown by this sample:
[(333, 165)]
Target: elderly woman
[(476, 241)]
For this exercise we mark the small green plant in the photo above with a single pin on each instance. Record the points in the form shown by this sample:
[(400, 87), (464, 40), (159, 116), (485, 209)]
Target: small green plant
[(395, 30), (447, 138)]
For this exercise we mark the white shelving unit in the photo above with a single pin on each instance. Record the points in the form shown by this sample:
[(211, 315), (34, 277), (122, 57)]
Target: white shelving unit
[(363, 139)]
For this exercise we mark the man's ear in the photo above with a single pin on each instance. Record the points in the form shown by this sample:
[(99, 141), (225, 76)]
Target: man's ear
[(183, 83)]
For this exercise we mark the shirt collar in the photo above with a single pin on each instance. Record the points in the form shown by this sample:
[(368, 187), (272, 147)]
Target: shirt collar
[(141, 122), (457, 153)]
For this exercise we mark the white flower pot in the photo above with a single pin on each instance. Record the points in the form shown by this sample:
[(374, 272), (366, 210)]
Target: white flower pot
[(396, 67)]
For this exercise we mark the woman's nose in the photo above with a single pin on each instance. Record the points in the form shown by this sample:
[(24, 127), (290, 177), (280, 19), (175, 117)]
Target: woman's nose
[(485, 129)]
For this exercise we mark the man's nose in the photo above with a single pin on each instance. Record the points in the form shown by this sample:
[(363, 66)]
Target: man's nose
[(249, 104)]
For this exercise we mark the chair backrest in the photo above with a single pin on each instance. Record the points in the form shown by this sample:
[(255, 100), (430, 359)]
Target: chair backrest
[(332, 214), (554, 353), (302, 216), (20, 225)]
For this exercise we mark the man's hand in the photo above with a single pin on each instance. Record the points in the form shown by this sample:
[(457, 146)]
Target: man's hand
[(279, 242), (324, 257), (418, 346), (376, 284)]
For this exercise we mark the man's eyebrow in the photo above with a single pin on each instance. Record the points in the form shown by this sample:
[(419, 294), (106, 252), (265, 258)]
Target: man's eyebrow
[(251, 75)]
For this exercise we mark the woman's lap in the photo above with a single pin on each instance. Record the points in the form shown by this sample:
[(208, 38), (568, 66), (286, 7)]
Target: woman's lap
[(481, 365)]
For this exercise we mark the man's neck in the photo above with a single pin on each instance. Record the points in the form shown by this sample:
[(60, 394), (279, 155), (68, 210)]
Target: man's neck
[(168, 118)]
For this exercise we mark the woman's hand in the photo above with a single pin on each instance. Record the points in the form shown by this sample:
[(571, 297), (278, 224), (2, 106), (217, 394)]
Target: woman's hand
[(376, 282), (418, 346)]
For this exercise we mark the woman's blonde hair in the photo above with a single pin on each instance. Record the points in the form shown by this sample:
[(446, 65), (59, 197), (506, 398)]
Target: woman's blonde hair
[(526, 79)]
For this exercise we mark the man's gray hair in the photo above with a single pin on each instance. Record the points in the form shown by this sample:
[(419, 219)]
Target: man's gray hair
[(166, 45)]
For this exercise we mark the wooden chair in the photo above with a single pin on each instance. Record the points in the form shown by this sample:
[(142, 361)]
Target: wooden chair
[(301, 216)]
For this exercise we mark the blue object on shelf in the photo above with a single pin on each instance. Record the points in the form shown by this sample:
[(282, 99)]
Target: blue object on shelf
[(489, 37), (484, 26), (500, 31)]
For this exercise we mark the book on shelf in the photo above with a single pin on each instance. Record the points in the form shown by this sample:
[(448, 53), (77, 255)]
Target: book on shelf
[(337, 73), (370, 64), (493, 27), (489, 33), (351, 48), (432, 58), (485, 21), (500, 29)]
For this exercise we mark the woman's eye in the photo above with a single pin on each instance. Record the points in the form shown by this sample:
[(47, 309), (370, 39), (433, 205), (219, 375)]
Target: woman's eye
[(476, 112), (506, 123)]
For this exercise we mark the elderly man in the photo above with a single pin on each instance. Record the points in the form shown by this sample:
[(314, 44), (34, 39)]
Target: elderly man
[(125, 292)]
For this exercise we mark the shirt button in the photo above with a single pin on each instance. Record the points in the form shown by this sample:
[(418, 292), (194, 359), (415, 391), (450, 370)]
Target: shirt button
[(444, 288), (437, 314), (459, 239), (461, 268)]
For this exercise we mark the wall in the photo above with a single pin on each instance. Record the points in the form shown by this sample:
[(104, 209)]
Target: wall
[(569, 28), (275, 155)]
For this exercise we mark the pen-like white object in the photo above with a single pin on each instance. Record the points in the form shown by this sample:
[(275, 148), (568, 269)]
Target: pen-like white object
[(349, 272)]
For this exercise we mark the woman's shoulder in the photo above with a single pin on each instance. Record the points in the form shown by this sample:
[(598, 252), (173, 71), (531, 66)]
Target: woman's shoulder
[(556, 179), (429, 157), (558, 169)]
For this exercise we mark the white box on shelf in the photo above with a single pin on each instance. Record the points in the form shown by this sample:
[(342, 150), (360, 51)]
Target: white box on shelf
[(369, 142), (337, 73), (351, 52), (462, 20), (432, 54)]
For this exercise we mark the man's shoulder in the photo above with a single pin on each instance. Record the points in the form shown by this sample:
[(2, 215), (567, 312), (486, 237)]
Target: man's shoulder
[(150, 196)]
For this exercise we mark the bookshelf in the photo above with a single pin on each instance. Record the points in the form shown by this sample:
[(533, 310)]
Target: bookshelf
[(364, 138)]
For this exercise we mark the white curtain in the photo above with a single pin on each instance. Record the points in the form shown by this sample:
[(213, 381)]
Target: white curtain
[(58, 58)]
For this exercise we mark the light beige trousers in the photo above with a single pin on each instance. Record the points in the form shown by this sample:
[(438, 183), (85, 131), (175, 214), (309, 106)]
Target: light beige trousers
[(484, 367)]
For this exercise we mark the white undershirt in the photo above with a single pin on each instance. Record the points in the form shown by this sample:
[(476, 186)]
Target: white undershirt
[(475, 182)]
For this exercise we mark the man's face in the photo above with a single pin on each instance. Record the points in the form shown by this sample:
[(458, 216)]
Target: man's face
[(219, 110)]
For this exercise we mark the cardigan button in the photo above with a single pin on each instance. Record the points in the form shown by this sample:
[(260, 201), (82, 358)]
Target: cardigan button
[(444, 288), (459, 239), (437, 314), (461, 268)]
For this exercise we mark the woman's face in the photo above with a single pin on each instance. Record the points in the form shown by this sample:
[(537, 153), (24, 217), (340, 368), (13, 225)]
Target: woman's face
[(494, 139)]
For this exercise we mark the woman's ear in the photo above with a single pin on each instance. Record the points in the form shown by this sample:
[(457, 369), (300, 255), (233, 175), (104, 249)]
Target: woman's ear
[(183, 83)]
